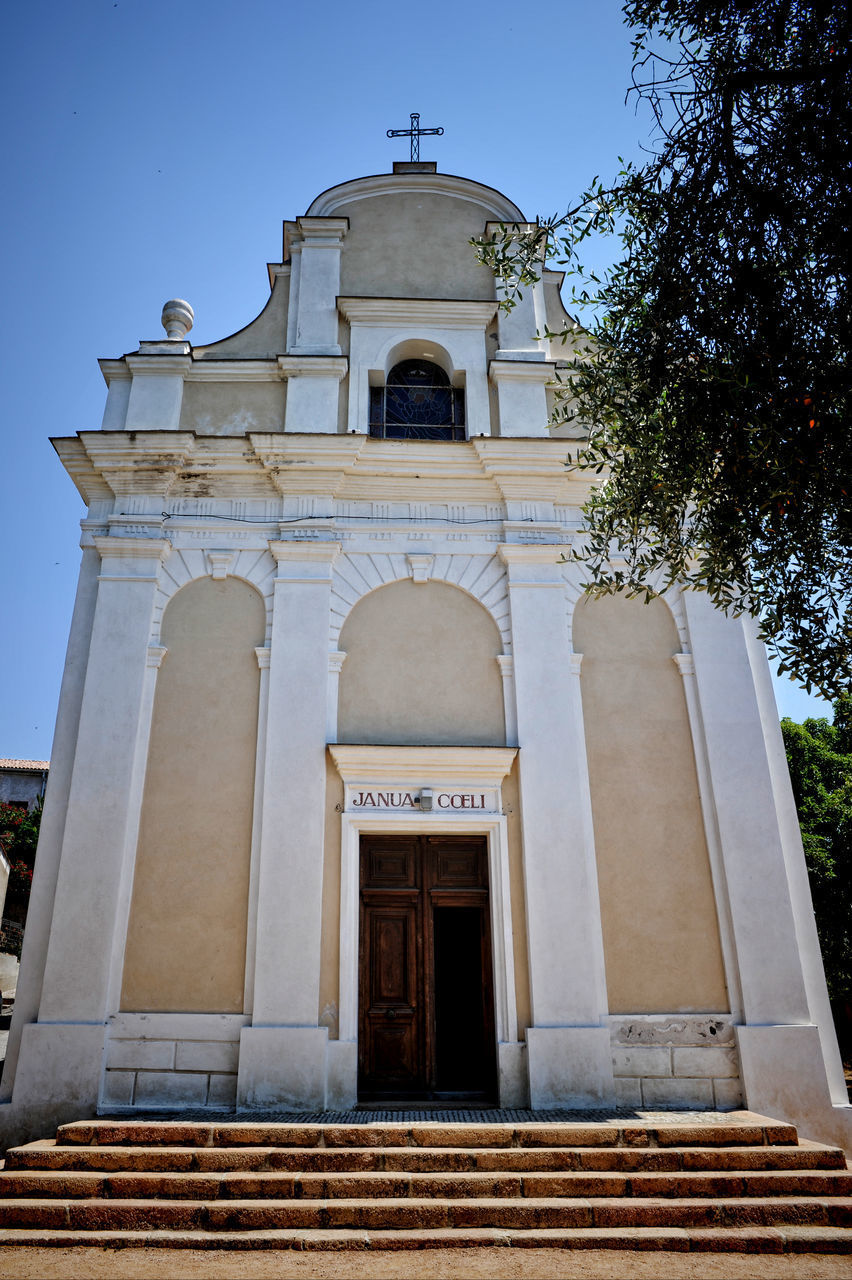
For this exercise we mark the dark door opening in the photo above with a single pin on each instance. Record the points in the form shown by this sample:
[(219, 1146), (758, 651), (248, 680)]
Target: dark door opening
[(426, 1021)]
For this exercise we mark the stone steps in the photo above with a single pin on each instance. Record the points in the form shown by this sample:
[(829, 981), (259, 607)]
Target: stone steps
[(772, 1240), (747, 1185), (49, 1155), (191, 1185), (383, 1213)]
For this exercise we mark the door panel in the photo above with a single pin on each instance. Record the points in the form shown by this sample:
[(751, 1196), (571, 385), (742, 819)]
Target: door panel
[(426, 1024)]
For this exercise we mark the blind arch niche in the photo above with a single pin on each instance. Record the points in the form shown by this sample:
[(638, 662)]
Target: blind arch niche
[(421, 669), (186, 937)]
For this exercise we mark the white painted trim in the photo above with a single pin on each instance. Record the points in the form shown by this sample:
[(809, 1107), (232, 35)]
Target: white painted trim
[(252, 565), (263, 658), (506, 664), (495, 829), (492, 202), (453, 767), (336, 659), (794, 861), (434, 313), (295, 366), (213, 370), (481, 576), (220, 563)]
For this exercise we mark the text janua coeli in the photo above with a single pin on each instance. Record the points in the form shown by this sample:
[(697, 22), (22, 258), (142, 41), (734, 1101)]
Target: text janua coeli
[(407, 800)]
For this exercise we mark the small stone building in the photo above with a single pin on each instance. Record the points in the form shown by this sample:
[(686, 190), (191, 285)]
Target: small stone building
[(23, 782), (355, 795)]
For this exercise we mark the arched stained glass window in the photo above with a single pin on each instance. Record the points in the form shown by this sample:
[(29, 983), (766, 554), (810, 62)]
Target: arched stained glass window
[(417, 403)]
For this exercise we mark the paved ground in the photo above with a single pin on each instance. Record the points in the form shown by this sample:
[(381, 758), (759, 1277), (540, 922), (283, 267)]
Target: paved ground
[(432, 1264)]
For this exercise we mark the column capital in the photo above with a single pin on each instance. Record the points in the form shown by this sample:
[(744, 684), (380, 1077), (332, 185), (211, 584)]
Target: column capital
[(132, 548), (318, 366), (336, 659), (684, 663), (304, 561), (531, 565)]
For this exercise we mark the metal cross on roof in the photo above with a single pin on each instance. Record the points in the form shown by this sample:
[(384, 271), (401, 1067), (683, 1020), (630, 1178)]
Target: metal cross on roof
[(415, 133)]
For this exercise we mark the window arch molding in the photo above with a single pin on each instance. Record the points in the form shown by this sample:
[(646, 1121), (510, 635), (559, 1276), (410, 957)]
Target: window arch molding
[(386, 330), (419, 396)]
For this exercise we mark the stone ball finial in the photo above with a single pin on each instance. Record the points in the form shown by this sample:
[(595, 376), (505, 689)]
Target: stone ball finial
[(177, 318)]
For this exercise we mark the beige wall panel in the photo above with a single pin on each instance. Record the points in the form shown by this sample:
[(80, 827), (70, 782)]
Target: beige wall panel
[(420, 669), (413, 245), (512, 807), (186, 936), (661, 934), (232, 408), (329, 1001), (262, 338)]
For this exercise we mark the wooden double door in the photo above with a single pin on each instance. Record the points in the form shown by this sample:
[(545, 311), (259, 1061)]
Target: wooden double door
[(426, 1006)]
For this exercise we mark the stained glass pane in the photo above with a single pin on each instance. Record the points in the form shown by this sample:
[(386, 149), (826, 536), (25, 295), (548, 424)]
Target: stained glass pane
[(417, 403)]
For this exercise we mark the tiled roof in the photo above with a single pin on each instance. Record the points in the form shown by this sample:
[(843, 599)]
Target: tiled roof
[(26, 766)]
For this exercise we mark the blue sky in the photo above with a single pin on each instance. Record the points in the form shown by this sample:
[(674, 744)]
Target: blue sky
[(153, 150)]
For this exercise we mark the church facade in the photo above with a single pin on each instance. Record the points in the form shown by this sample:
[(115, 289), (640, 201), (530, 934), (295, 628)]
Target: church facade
[(355, 795)]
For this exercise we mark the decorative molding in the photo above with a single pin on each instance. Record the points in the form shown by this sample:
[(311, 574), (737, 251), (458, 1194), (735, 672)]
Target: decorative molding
[(336, 659), (220, 563), (186, 564), (113, 370), (421, 567), (575, 662), (212, 370), (492, 202), (506, 663), (156, 653), (321, 231), (684, 663), (480, 576), (522, 369), (433, 313), (262, 656), (159, 363), (318, 366), (451, 766), (111, 547), (532, 565), (310, 554)]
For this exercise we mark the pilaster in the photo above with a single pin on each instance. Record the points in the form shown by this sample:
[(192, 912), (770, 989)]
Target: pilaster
[(43, 893), (313, 385), (95, 867), (521, 395), (518, 329), (569, 1054), (318, 244), (156, 392), (283, 1054)]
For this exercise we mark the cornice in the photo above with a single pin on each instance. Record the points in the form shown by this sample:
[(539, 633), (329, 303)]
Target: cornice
[(88, 482), (442, 313), (422, 765), (307, 448), (114, 369), (492, 202), (138, 462)]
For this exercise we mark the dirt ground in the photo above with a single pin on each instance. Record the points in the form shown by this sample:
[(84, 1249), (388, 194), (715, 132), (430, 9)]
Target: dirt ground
[(431, 1264)]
